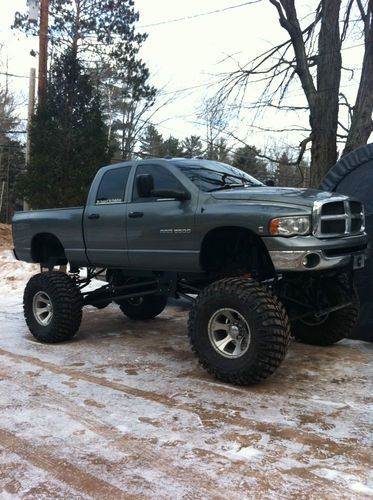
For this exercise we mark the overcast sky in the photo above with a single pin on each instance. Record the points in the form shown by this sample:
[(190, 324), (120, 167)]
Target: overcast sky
[(192, 52)]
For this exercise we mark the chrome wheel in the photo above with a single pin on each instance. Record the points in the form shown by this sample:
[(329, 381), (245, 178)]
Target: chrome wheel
[(229, 333), (42, 308)]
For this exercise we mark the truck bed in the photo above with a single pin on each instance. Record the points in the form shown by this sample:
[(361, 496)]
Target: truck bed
[(66, 224)]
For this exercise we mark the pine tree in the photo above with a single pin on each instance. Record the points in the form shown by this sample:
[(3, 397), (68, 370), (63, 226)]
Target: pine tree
[(151, 143), (192, 146), (246, 159), (172, 147), (68, 139), (287, 175), (127, 103), (218, 150), (104, 28), (103, 34)]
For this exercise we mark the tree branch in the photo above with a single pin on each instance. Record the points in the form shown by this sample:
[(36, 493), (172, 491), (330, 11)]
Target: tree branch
[(343, 127), (347, 104), (347, 19), (291, 24)]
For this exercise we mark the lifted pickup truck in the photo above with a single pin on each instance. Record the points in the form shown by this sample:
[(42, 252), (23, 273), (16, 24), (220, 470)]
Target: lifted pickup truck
[(252, 259)]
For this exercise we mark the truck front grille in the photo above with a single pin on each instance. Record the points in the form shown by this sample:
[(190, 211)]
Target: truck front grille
[(341, 217)]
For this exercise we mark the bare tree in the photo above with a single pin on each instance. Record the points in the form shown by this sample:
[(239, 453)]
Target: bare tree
[(127, 113), (8, 119), (313, 55), (11, 153), (215, 117), (361, 114)]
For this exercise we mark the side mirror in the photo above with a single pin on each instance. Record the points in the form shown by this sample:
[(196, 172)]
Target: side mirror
[(145, 185), (270, 182), (171, 193)]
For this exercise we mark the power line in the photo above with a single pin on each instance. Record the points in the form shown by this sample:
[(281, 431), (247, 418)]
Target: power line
[(13, 75), (216, 83), (5, 73), (185, 89), (186, 18), (13, 131), (194, 16)]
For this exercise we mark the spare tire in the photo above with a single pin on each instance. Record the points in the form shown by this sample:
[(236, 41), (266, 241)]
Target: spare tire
[(352, 175)]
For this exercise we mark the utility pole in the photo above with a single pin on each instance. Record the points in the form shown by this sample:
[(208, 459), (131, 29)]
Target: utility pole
[(30, 113), (43, 52), (2, 195)]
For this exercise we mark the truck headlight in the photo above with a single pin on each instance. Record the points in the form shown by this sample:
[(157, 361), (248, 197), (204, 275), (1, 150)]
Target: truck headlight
[(290, 226)]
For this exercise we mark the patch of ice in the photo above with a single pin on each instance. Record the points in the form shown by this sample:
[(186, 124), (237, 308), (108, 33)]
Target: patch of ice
[(244, 452), (360, 407), (335, 404), (248, 452), (361, 488), (122, 428), (230, 387), (349, 480)]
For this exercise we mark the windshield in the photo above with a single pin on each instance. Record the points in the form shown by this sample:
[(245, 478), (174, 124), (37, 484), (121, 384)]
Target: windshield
[(215, 176)]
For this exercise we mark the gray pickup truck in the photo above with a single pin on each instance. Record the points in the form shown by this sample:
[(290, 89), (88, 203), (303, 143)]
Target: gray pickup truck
[(258, 263)]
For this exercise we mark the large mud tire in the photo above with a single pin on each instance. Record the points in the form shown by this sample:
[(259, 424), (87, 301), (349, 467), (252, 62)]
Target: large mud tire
[(142, 308), (249, 311), (333, 327), (52, 305)]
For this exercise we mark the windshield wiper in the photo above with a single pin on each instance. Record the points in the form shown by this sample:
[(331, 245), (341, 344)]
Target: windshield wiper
[(223, 175), (202, 178), (227, 186)]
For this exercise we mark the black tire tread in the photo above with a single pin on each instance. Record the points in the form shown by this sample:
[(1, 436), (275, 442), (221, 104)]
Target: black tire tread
[(345, 165), (338, 328), (151, 306), (273, 334), (67, 311), (339, 324)]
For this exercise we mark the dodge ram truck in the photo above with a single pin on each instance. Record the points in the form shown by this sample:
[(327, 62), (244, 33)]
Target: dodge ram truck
[(258, 264)]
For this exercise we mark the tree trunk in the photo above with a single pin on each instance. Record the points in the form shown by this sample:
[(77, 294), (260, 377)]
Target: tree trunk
[(361, 122), (322, 98), (324, 115), (323, 153)]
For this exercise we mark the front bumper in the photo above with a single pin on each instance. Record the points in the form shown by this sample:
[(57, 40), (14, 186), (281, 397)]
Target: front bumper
[(308, 253), (314, 261)]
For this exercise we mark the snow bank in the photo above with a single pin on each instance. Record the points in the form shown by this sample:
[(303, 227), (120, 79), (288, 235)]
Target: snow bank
[(13, 273), (5, 236)]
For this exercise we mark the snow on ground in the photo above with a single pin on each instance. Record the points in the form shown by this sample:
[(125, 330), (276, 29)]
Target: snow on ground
[(124, 411)]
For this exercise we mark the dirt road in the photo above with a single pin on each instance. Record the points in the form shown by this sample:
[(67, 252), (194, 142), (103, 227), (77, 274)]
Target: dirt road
[(124, 411)]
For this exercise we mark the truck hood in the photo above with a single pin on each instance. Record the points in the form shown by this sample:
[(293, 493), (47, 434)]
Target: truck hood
[(266, 194)]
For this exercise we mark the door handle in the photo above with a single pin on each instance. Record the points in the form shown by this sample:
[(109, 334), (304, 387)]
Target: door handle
[(135, 215), (93, 216)]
